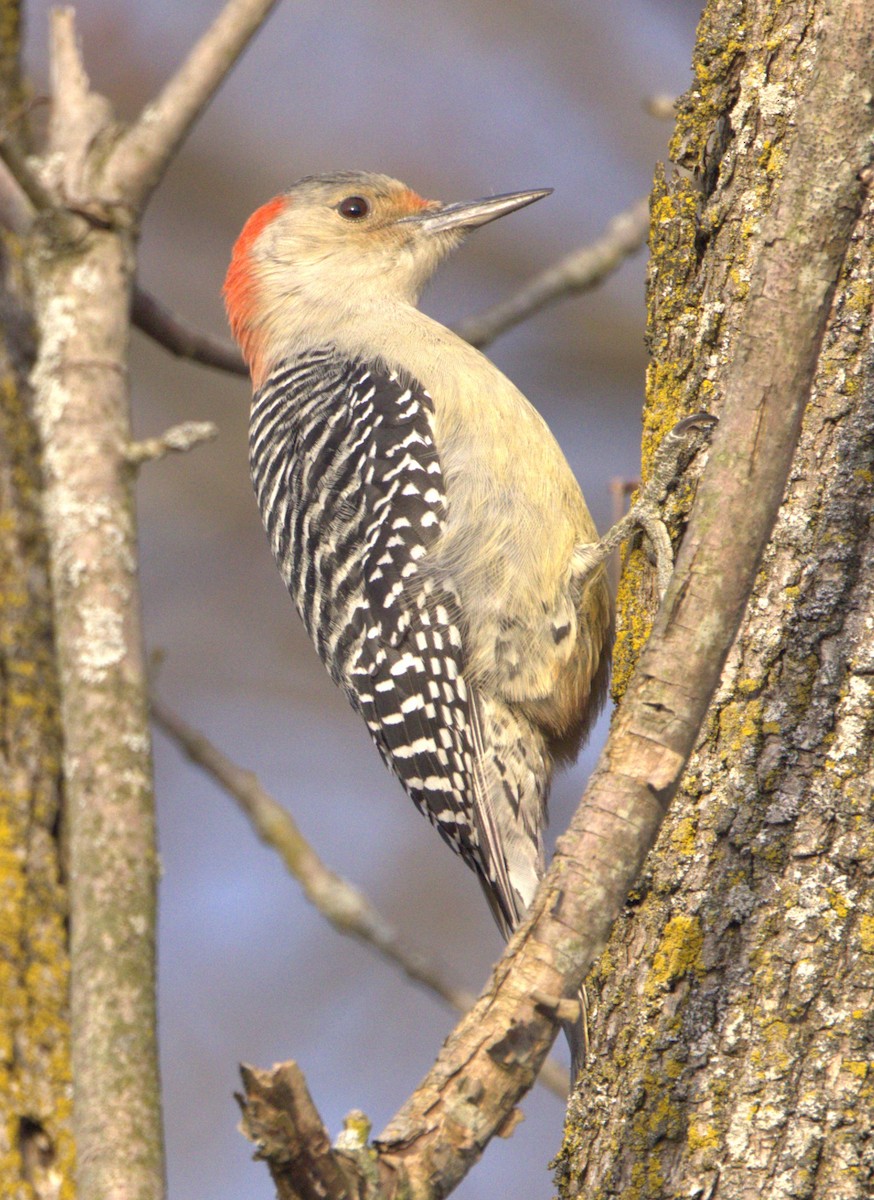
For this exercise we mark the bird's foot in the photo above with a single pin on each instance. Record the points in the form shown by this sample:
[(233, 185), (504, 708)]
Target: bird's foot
[(674, 454)]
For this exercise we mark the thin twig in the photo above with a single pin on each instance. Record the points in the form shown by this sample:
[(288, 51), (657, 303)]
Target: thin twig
[(152, 318), (176, 440), (347, 909), (578, 272), (16, 209), (31, 188), (142, 155)]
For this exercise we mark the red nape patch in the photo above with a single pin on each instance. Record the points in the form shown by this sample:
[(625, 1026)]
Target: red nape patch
[(240, 290), (413, 201)]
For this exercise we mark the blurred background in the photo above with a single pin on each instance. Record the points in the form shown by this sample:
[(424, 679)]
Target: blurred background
[(460, 99)]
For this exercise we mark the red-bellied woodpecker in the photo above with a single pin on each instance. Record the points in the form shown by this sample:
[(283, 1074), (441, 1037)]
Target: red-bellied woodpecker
[(423, 517)]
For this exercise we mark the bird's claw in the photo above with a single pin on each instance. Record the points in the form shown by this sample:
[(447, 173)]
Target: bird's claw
[(675, 452), (680, 444)]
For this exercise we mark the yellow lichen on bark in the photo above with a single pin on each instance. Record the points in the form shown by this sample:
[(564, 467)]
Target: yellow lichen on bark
[(731, 1023), (36, 1144)]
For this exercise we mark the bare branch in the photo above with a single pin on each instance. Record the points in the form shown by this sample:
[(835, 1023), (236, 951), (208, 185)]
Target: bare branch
[(70, 86), (32, 195), (157, 322), (144, 151), (16, 207), (347, 909), (80, 119), (279, 1116), (578, 272)]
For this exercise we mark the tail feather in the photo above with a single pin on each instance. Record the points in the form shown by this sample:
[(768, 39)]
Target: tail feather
[(513, 771), (512, 777)]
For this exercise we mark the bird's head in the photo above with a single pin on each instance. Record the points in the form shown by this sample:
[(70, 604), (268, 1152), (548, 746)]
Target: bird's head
[(334, 247)]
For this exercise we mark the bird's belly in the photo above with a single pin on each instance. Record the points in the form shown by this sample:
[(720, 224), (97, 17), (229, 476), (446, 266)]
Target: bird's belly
[(507, 550)]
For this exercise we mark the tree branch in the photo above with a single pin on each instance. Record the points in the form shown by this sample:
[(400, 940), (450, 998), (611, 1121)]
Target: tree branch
[(578, 272), (157, 322), (344, 906), (141, 156), (178, 439), (280, 1118), (16, 208), (96, 179), (81, 409), (492, 1057)]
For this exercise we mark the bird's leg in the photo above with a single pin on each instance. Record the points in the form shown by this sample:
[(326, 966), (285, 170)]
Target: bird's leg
[(672, 457)]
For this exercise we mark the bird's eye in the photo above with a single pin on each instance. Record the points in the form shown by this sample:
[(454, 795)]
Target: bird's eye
[(353, 208)]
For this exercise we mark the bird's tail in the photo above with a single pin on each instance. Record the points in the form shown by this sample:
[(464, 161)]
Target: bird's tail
[(513, 777)]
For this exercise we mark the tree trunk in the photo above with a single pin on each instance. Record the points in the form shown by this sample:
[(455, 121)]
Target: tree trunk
[(36, 1144), (37, 1158), (732, 1031)]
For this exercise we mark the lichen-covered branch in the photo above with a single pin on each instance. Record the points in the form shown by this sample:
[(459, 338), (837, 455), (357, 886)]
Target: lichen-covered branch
[(492, 1056)]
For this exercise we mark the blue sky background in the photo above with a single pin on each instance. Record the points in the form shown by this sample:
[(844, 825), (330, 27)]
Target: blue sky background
[(460, 99)]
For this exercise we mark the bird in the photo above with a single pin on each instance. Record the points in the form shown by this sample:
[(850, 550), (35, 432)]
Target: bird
[(422, 515)]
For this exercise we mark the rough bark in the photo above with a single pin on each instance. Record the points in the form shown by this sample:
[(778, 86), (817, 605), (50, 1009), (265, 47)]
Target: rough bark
[(732, 1034), (36, 1145)]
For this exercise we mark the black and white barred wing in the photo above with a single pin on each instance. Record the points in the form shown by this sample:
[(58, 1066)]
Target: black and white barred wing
[(407, 677), (351, 492)]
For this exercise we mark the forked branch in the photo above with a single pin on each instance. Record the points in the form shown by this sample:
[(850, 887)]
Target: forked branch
[(143, 153)]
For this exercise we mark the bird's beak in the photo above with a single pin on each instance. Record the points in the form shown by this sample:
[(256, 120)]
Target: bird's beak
[(468, 214)]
